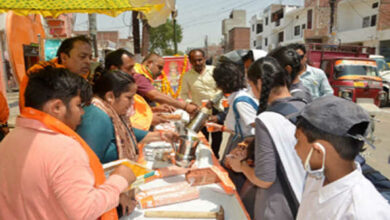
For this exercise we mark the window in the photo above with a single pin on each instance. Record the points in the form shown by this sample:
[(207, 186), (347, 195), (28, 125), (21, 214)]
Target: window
[(254, 43), (375, 5), (266, 42), (259, 28), (281, 37), (253, 27), (303, 26), (309, 18), (373, 20), (266, 21), (297, 30), (366, 22)]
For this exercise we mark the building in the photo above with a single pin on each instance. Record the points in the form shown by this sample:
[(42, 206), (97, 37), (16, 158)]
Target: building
[(239, 38), (274, 24), (60, 27), (256, 30), (368, 24), (280, 24), (237, 18)]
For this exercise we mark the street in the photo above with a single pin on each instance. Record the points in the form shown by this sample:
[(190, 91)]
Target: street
[(377, 158)]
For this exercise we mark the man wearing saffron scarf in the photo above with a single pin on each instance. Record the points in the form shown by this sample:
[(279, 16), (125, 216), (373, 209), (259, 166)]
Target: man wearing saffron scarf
[(47, 171), (74, 54)]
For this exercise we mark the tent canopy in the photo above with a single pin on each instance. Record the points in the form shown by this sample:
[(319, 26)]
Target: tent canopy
[(156, 11)]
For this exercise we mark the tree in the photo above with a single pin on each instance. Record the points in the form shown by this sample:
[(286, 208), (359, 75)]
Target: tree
[(161, 38)]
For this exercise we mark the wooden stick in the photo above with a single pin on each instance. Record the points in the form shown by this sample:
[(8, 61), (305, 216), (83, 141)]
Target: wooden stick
[(180, 214)]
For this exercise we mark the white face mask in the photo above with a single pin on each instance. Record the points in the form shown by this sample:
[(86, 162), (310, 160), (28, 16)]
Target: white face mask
[(318, 174)]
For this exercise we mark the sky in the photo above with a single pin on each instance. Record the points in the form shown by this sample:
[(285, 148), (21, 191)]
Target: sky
[(197, 18)]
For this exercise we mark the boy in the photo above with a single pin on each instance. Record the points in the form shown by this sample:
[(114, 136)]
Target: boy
[(331, 133)]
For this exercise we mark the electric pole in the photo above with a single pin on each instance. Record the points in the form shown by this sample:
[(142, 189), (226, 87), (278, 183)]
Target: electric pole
[(136, 36), (93, 32), (174, 14)]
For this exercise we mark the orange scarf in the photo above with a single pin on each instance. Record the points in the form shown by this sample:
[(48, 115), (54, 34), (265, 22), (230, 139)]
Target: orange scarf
[(35, 68), (23, 84), (4, 110), (142, 69), (58, 126)]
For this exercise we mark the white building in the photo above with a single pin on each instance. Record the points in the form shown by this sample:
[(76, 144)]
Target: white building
[(256, 25), (277, 25), (359, 23)]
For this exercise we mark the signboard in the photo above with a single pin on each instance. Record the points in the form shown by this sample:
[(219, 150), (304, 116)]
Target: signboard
[(51, 47)]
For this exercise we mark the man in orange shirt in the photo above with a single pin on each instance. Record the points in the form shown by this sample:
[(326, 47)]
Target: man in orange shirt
[(47, 171)]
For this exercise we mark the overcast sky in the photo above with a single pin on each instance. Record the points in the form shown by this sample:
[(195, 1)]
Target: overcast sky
[(198, 18)]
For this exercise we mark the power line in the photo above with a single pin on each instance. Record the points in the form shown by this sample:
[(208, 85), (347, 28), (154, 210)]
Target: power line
[(218, 13)]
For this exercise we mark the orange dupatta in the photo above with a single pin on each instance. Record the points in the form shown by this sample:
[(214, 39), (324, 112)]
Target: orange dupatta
[(58, 126), (35, 68), (142, 69)]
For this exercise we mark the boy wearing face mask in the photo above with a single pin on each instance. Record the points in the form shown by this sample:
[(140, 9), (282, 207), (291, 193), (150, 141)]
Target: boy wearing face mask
[(331, 133)]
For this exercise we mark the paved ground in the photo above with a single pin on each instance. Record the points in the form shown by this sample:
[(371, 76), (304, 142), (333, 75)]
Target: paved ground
[(378, 158)]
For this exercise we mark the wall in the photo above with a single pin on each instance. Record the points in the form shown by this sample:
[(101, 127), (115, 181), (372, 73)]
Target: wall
[(237, 19), (239, 38)]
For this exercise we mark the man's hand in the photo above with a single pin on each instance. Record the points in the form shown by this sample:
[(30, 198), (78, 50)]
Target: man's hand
[(213, 127), (191, 108), (170, 136), (213, 118), (163, 108), (125, 172), (127, 204), (158, 119)]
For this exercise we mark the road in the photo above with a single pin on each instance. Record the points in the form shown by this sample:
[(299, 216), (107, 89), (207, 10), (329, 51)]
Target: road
[(378, 158)]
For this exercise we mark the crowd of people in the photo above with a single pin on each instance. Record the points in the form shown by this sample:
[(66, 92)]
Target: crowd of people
[(290, 146)]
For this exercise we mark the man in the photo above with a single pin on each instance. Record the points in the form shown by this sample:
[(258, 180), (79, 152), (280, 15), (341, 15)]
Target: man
[(198, 84), (312, 78), (47, 170), (151, 66), (74, 54), (124, 61), (331, 132)]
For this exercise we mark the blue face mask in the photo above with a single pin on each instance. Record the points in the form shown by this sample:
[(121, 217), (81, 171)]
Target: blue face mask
[(320, 173)]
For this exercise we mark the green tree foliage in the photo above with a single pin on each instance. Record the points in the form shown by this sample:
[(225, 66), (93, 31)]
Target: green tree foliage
[(161, 38)]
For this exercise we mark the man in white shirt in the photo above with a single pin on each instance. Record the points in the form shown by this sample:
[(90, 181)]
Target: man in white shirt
[(312, 78), (331, 133), (198, 84)]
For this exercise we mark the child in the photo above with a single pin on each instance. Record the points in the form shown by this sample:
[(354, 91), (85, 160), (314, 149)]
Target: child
[(331, 133)]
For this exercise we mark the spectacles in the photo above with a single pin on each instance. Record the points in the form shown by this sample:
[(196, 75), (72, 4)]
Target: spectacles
[(301, 56)]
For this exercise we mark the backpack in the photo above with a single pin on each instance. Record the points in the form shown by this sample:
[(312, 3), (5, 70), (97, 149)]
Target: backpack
[(246, 99), (381, 183)]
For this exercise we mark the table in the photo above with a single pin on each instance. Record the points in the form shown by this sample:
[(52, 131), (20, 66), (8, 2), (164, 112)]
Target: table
[(211, 196)]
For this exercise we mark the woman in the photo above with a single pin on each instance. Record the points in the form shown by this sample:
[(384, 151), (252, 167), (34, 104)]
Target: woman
[(105, 125), (275, 157), (290, 60)]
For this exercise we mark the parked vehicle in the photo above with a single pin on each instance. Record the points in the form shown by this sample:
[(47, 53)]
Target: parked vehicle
[(351, 74), (350, 71), (384, 72)]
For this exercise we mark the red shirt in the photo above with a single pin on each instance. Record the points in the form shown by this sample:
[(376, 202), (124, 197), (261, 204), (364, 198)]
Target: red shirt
[(144, 85)]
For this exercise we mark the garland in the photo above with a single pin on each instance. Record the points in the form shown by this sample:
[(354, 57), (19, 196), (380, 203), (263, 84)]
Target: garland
[(166, 85)]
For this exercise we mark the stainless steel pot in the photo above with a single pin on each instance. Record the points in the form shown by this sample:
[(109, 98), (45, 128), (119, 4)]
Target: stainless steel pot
[(185, 152)]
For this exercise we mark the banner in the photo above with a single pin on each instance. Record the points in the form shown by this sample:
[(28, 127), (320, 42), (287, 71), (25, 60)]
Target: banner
[(51, 47)]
